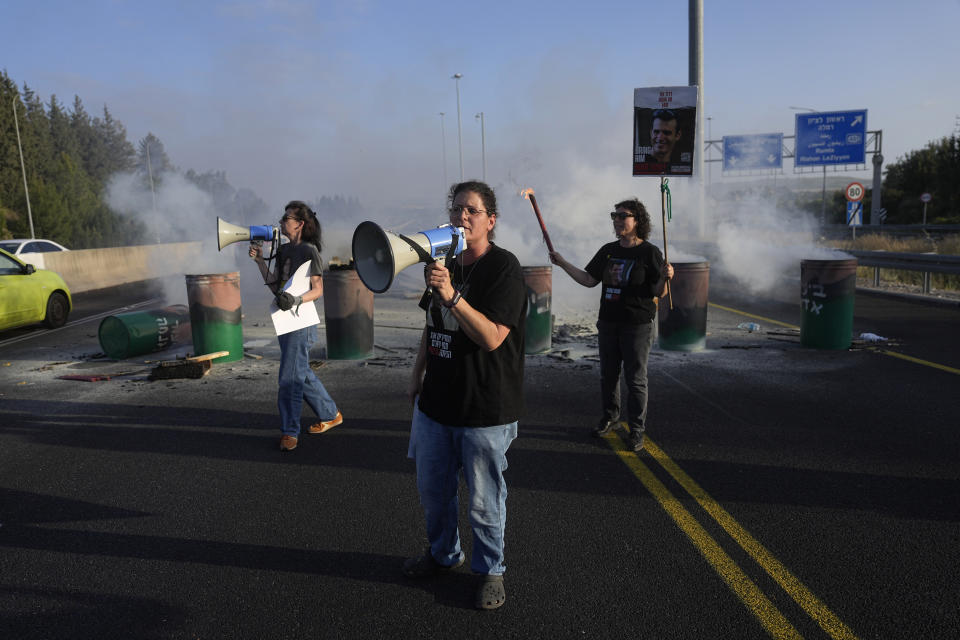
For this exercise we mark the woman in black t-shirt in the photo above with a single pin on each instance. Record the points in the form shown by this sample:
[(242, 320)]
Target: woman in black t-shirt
[(634, 276), (467, 387), (297, 381)]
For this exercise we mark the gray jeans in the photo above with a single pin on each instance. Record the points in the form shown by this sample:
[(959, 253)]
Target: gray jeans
[(629, 345)]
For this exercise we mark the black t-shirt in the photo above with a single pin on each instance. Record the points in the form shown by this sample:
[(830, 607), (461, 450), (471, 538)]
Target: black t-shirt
[(466, 385), (629, 276), (289, 259)]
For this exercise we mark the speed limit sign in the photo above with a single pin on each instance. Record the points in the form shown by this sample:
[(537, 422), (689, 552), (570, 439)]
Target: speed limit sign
[(854, 192)]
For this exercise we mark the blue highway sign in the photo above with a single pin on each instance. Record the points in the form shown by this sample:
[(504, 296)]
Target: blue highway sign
[(763, 151), (831, 138), (854, 213)]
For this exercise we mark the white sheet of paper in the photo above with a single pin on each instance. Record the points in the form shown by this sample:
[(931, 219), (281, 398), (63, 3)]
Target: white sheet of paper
[(293, 319)]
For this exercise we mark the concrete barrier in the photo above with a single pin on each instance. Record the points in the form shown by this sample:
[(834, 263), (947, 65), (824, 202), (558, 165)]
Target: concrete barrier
[(89, 269)]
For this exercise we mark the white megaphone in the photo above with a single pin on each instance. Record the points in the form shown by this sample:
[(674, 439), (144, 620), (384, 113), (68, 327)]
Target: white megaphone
[(380, 255), (228, 233)]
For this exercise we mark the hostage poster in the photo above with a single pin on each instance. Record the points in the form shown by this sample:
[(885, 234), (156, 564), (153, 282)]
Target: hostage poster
[(664, 131)]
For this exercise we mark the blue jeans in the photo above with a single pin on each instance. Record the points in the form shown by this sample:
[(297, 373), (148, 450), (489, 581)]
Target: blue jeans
[(481, 452), (629, 344), (299, 383)]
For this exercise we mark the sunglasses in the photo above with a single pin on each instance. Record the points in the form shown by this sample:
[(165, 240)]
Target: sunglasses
[(616, 215)]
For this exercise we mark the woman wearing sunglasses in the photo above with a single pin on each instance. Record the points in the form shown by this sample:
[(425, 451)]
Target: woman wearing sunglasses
[(297, 381), (634, 276)]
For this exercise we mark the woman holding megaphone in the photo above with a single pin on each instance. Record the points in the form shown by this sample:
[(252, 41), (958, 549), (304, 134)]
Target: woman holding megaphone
[(297, 381)]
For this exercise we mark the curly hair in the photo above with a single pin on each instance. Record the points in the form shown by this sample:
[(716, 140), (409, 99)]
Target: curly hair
[(640, 214)]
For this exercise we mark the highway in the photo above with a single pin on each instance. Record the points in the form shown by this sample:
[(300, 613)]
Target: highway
[(785, 492)]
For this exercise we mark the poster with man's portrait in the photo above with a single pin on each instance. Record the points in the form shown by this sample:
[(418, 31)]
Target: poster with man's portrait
[(664, 131)]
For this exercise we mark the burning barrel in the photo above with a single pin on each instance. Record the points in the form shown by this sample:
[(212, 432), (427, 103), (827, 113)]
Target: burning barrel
[(348, 313), (827, 292), (215, 314), (684, 328), (125, 335), (539, 323)]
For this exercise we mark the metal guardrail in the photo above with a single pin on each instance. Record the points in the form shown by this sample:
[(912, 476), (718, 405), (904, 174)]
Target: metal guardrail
[(926, 262)]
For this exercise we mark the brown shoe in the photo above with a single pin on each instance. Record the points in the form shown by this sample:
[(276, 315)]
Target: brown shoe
[(320, 427), (288, 443)]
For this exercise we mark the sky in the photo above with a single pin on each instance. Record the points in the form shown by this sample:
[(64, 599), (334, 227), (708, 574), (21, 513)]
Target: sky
[(300, 99)]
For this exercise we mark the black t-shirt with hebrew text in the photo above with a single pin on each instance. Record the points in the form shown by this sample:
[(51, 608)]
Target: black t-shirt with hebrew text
[(629, 276), (465, 385)]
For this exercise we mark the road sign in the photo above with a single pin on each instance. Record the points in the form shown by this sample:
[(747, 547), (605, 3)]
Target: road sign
[(925, 198), (854, 192), (831, 138), (854, 213), (762, 151)]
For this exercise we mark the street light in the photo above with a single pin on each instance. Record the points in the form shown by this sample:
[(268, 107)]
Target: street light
[(709, 149), (23, 167), (443, 141), (457, 77), (483, 145), (823, 195)]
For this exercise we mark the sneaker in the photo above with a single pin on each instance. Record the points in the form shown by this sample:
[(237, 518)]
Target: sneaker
[(288, 443), (322, 426), (425, 566), (635, 441), (604, 427)]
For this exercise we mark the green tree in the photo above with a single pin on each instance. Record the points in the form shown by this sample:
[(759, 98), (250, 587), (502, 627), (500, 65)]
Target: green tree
[(935, 169)]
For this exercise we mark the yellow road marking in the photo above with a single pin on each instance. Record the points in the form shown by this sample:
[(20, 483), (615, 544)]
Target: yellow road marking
[(816, 609), (902, 356), (755, 317), (749, 593)]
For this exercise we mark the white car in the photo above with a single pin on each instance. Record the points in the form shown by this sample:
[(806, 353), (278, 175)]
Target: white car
[(31, 250)]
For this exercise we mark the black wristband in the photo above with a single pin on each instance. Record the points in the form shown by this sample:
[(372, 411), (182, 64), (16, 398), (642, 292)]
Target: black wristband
[(453, 301)]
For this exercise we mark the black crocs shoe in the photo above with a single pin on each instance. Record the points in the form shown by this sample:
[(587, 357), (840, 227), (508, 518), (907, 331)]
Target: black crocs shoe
[(425, 566), (604, 427)]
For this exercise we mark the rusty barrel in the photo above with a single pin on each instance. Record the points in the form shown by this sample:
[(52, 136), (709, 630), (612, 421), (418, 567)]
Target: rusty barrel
[(125, 335), (684, 327), (215, 314), (827, 292), (348, 314), (539, 323)]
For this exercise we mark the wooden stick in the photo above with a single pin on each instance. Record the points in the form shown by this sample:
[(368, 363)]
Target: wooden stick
[(663, 213), (543, 227)]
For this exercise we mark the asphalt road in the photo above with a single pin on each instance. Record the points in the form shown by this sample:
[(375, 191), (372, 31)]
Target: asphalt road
[(786, 491)]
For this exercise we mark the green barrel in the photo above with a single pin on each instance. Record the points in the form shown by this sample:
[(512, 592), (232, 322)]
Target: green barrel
[(125, 335), (215, 314), (348, 314), (684, 327), (827, 292), (539, 323)]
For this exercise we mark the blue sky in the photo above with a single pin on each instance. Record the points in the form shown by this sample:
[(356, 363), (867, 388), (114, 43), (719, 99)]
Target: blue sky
[(302, 99)]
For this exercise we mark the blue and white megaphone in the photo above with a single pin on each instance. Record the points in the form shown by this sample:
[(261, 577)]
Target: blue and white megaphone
[(228, 233), (380, 255)]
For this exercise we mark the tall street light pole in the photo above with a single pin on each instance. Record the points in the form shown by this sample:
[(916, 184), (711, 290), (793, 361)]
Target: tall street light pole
[(483, 146), (823, 194), (457, 77), (23, 167), (443, 142)]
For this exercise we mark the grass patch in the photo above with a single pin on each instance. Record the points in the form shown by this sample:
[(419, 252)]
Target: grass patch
[(878, 242)]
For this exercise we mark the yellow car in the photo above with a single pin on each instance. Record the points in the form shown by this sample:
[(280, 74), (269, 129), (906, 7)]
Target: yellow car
[(29, 295)]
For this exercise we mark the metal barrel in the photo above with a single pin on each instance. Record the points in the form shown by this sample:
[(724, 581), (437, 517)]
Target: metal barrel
[(125, 335), (215, 314), (827, 293), (348, 314), (684, 328), (539, 323)]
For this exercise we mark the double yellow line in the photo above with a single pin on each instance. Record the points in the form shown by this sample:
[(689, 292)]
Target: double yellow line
[(886, 352), (739, 582)]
